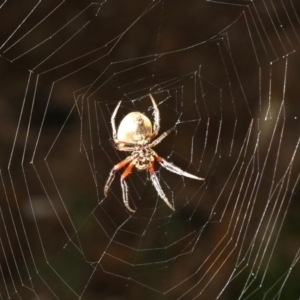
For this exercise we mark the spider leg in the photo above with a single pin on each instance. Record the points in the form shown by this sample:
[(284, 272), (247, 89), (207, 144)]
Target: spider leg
[(120, 147), (113, 123), (160, 138), (109, 180), (158, 187), (156, 124), (124, 187), (170, 167), (112, 173)]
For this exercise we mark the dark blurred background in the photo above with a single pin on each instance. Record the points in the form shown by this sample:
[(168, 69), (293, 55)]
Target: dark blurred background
[(225, 73)]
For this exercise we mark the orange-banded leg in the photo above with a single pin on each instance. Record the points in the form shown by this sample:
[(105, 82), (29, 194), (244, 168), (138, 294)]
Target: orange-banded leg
[(125, 187), (157, 186), (113, 172)]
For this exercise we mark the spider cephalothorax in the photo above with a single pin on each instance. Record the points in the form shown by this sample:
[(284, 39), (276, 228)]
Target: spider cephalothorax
[(142, 156), (135, 135)]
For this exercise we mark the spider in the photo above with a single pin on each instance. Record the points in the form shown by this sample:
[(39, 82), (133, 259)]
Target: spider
[(135, 134)]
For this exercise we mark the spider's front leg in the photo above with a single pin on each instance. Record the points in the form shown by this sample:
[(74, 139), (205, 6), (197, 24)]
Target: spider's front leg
[(125, 187), (158, 187), (172, 168), (113, 172)]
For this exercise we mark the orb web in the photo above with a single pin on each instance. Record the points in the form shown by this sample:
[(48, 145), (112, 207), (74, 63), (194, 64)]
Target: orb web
[(224, 77)]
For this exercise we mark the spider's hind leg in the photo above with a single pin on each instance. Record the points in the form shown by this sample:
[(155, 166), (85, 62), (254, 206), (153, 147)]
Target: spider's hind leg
[(156, 124), (112, 120)]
